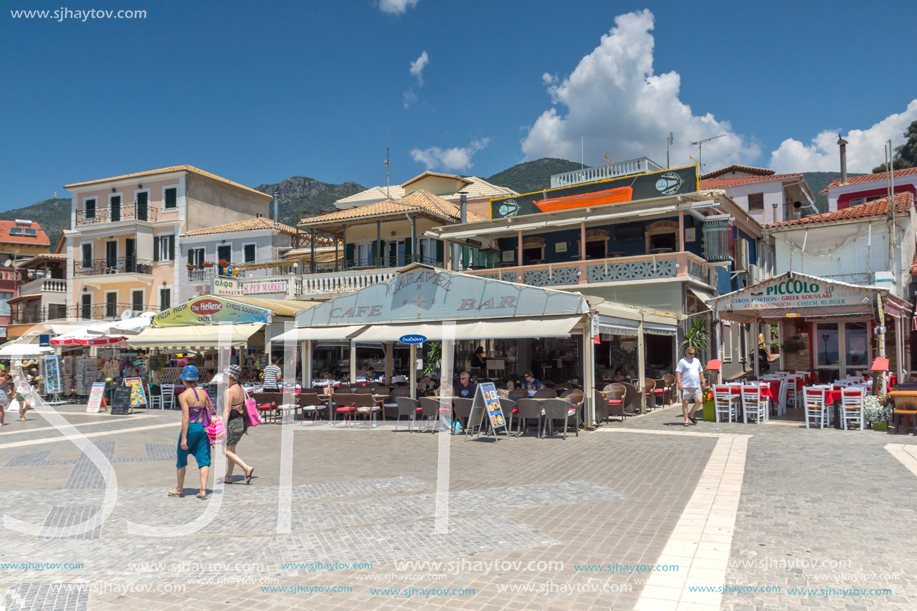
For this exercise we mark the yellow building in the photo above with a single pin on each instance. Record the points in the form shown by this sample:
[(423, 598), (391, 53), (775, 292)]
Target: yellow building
[(123, 249)]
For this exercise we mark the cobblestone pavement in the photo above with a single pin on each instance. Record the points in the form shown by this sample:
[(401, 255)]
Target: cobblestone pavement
[(363, 503)]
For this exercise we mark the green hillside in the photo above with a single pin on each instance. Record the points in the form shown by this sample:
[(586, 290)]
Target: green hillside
[(298, 194), (52, 214), (532, 175)]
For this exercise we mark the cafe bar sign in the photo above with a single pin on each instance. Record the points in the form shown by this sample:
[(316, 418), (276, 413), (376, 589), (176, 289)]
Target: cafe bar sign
[(794, 292)]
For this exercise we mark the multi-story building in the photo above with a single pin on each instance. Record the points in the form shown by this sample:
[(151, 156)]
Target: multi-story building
[(42, 291), (767, 196), (19, 239), (242, 245), (846, 192), (123, 249), (449, 187)]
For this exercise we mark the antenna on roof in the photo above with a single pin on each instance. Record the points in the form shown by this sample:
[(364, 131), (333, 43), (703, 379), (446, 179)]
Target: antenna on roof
[(700, 147), (387, 165), (668, 144)]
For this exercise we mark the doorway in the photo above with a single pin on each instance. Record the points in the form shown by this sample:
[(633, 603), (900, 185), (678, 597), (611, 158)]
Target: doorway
[(842, 347)]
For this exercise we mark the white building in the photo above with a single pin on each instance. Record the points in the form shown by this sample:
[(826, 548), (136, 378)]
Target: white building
[(768, 197)]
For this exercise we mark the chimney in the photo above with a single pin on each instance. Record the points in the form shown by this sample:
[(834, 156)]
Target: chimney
[(463, 207), (277, 219), (843, 144)]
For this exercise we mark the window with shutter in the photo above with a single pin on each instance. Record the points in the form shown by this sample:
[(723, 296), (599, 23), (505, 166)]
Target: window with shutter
[(756, 201), (249, 253), (87, 255), (171, 197), (155, 249), (137, 301)]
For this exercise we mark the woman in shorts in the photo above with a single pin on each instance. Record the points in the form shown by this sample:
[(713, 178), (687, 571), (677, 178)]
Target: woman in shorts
[(236, 423)]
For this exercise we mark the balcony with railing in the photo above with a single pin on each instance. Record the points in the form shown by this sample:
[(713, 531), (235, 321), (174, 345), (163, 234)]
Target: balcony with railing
[(201, 274), (112, 265), (105, 311), (665, 266), (125, 212), (42, 285), (33, 313)]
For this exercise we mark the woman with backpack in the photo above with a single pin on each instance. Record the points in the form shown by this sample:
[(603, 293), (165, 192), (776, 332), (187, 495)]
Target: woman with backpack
[(235, 416)]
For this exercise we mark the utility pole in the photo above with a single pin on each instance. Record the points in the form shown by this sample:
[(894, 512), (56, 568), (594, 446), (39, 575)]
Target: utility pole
[(700, 148), (892, 228), (668, 144)]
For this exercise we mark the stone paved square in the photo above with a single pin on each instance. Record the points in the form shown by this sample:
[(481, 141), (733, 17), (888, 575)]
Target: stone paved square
[(533, 523)]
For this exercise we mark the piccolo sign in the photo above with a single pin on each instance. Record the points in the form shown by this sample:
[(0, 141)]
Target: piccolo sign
[(794, 292)]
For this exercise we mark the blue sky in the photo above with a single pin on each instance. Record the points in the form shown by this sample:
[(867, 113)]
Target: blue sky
[(258, 92)]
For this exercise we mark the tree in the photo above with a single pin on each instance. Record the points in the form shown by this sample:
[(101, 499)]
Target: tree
[(906, 154)]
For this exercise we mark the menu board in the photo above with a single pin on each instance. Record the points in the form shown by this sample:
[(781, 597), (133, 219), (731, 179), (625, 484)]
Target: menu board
[(121, 401), (95, 397), (138, 397), (486, 401), (52, 378)]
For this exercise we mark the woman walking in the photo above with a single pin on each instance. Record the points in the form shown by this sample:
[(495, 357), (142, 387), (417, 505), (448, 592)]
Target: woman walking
[(23, 393), (195, 417), (4, 394), (237, 423)]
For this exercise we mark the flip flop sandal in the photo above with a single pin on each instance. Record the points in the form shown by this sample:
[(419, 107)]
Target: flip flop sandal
[(199, 497), (172, 493), (248, 478)]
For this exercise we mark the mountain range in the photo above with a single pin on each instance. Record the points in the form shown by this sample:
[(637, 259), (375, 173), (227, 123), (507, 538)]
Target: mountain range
[(299, 194)]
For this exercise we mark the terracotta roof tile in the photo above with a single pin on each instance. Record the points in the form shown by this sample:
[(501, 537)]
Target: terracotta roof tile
[(373, 193), (878, 207), (246, 225), (39, 239), (738, 168), (418, 200), (855, 180), (169, 170), (733, 181)]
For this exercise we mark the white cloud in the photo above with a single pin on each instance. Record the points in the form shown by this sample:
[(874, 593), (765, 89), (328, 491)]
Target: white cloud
[(418, 65), (865, 148), (618, 105), (409, 97), (549, 79), (396, 7), (458, 158)]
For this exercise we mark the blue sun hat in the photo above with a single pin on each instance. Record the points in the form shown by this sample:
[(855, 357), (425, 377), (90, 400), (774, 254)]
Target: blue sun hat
[(189, 373)]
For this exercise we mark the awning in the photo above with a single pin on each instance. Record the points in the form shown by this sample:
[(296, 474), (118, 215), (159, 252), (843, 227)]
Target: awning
[(650, 328), (611, 325), (12, 349), (199, 336), (319, 333), (490, 329), (704, 296)]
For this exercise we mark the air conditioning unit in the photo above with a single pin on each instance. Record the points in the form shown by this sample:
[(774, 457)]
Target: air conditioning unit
[(754, 274)]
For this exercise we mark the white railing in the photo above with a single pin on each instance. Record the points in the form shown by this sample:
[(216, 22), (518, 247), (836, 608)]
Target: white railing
[(343, 282), (41, 285), (601, 172)]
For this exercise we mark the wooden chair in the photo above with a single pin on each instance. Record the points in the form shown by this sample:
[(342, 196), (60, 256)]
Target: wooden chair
[(816, 409), (344, 407), (266, 406), (366, 405), (852, 406), (155, 397), (754, 404), (904, 405), (725, 403), (309, 402)]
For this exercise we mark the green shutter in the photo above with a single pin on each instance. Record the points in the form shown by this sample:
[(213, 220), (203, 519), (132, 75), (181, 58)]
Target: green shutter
[(171, 248), (407, 250), (439, 252), (348, 255), (156, 249)]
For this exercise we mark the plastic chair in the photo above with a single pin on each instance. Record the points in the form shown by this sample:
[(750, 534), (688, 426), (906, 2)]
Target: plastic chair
[(407, 407), (168, 395)]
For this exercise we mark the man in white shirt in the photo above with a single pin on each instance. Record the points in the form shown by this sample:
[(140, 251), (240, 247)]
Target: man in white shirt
[(691, 384)]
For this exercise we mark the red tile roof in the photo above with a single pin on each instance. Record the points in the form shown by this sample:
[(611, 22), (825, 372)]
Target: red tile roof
[(878, 207), (881, 176), (733, 181), (40, 239), (738, 168)]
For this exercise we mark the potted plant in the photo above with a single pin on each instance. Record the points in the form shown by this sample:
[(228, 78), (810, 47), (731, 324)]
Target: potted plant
[(792, 346), (190, 266), (876, 409), (207, 264), (224, 263), (709, 405)]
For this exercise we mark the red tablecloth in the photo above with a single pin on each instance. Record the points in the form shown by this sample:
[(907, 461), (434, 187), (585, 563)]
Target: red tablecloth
[(765, 392)]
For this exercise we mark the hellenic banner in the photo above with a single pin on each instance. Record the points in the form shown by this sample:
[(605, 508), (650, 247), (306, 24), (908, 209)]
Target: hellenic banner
[(627, 188), (210, 310)]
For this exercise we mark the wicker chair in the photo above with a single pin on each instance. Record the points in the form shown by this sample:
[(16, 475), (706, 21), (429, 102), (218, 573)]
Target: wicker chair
[(528, 410), (563, 410), (462, 409), (407, 407)]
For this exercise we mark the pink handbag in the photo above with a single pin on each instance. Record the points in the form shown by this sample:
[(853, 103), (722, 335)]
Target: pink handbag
[(216, 430), (251, 410)]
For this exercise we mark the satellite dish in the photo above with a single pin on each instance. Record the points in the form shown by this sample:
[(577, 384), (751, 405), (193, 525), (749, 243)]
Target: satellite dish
[(126, 314), (7, 262)]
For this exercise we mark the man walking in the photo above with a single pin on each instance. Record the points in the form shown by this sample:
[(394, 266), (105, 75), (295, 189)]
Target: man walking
[(691, 384), (272, 377)]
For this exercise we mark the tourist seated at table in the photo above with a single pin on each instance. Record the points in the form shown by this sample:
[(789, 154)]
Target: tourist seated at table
[(370, 375), (504, 392), (531, 382), (465, 388), (244, 376), (426, 383), (620, 377)]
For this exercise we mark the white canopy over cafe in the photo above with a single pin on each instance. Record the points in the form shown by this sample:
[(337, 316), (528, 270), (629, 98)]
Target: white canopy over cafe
[(825, 325)]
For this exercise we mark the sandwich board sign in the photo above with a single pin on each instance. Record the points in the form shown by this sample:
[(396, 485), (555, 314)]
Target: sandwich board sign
[(121, 401), (486, 403), (138, 397), (95, 397)]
